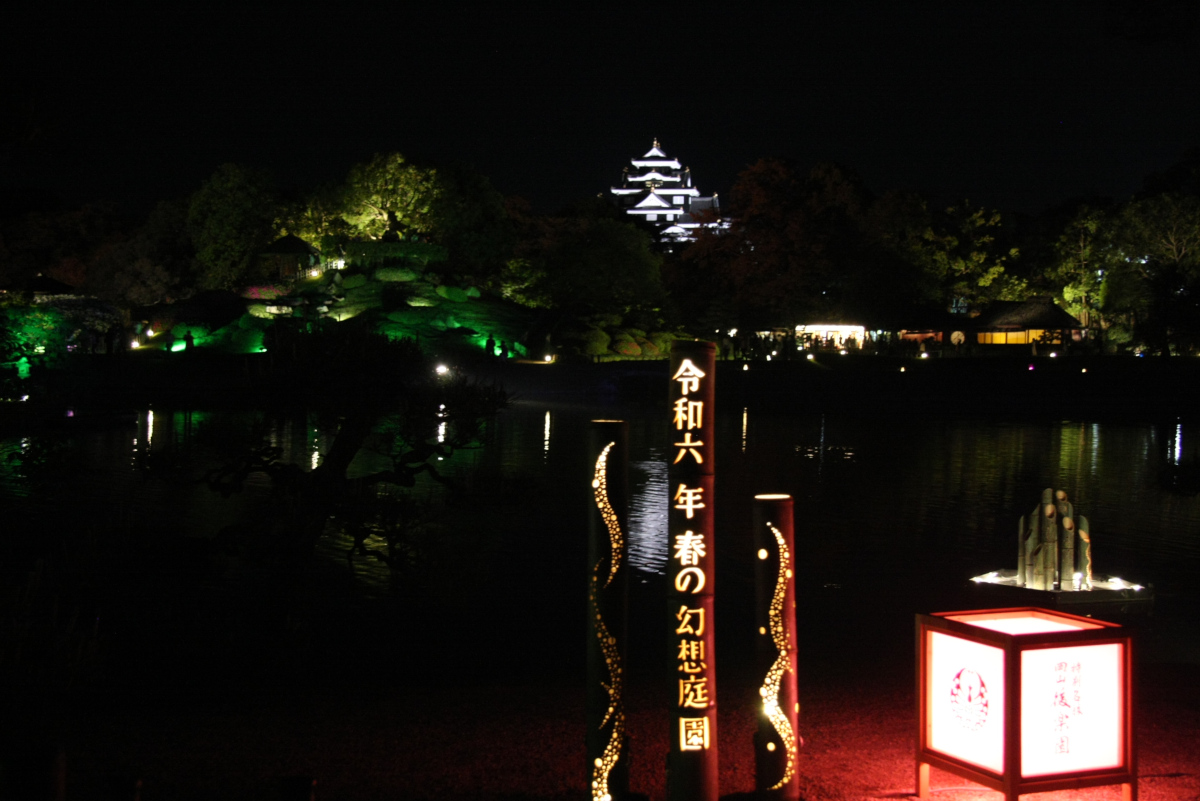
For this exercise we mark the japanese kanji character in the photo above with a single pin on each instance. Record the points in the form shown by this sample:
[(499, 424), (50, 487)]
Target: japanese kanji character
[(688, 375), (690, 499), (688, 414), (688, 446), (691, 621), (693, 692), (689, 548), (693, 734)]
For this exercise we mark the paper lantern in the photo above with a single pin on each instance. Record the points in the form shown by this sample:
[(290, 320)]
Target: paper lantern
[(1025, 700)]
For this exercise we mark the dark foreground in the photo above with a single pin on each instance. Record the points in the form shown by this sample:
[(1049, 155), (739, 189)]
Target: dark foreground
[(413, 713)]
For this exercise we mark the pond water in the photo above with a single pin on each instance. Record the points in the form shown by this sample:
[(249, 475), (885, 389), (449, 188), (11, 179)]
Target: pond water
[(874, 497)]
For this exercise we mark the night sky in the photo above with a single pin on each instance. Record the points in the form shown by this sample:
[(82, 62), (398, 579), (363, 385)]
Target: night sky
[(1019, 105)]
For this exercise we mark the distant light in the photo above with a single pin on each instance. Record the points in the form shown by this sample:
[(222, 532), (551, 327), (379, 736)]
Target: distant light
[(135, 344), (774, 353), (768, 357), (745, 367), (810, 357), (924, 355), (314, 272), (549, 358), (1031, 367), (442, 369), (1084, 370), (150, 332), (902, 369), (24, 398), (842, 352), (762, 553), (70, 412)]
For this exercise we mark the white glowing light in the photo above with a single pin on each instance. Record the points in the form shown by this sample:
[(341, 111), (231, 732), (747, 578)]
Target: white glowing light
[(135, 344), (843, 352), (549, 357), (924, 355), (442, 369), (809, 357), (1053, 355), (149, 428), (965, 688), (1081, 731), (150, 332), (745, 367), (314, 272), (902, 369)]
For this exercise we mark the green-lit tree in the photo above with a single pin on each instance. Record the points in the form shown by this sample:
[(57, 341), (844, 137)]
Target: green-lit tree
[(388, 195), (960, 255), (229, 219), (1155, 283), (1083, 255)]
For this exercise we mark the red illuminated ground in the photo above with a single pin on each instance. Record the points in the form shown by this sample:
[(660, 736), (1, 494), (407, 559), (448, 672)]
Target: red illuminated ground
[(516, 741)]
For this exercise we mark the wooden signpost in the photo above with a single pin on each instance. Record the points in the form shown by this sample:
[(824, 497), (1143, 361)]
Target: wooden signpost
[(692, 761)]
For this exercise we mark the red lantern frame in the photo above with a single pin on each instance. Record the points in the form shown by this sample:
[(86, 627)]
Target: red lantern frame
[(1075, 632)]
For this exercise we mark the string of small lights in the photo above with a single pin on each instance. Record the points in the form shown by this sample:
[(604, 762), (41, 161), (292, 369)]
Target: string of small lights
[(771, 684), (605, 763)]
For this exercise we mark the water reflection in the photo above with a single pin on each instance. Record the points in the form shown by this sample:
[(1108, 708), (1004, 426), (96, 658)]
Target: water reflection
[(649, 490), (868, 491)]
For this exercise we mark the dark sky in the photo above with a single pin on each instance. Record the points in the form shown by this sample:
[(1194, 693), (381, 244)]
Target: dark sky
[(1015, 104)]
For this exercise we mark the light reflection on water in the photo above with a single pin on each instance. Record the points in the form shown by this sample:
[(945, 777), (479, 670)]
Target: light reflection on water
[(868, 492), (648, 494)]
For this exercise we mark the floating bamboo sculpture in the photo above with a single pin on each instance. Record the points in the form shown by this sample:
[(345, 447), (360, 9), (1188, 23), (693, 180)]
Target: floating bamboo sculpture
[(1053, 545)]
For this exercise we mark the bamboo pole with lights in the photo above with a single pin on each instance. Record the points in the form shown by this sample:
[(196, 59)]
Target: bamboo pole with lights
[(777, 737), (607, 738)]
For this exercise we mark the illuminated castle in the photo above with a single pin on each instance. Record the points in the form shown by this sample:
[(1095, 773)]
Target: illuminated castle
[(659, 190)]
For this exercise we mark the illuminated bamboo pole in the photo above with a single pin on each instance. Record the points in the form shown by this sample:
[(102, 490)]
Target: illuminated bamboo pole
[(607, 737), (693, 757), (1050, 543), (1031, 551), (1066, 541), (1085, 552), (777, 737)]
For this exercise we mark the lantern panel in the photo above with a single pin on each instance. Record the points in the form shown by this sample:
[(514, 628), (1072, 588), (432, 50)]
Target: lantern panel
[(965, 694), (1072, 709)]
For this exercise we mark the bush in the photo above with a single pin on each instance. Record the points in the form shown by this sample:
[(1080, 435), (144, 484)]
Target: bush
[(594, 342), (649, 349), (625, 345), (662, 341), (396, 274), (354, 281), (452, 294)]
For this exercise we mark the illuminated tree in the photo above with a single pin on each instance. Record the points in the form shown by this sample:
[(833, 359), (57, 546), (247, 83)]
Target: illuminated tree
[(960, 255), (1155, 283), (1082, 256), (387, 195), (230, 217)]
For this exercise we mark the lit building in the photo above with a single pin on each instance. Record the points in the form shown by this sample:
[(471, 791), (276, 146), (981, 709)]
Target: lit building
[(659, 190)]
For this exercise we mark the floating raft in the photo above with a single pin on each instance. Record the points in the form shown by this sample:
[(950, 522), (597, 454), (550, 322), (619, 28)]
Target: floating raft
[(1107, 597)]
